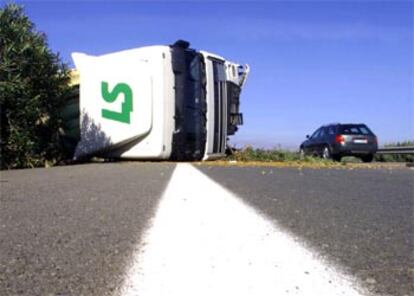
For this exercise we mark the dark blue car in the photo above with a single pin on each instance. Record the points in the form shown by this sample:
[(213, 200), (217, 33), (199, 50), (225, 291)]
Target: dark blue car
[(333, 141)]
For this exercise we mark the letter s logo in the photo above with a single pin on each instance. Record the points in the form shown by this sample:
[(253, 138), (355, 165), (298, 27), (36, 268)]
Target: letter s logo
[(111, 96)]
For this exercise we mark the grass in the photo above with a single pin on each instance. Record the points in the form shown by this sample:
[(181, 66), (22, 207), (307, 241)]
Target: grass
[(283, 158), (396, 157), (275, 157), (272, 155)]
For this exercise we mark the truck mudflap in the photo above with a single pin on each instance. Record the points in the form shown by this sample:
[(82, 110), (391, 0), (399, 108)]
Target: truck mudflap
[(115, 101)]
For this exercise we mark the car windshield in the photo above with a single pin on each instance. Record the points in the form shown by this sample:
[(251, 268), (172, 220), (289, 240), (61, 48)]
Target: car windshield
[(355, 129)]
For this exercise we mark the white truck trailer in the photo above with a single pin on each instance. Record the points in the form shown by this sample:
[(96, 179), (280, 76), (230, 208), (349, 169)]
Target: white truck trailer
[(158, 102)]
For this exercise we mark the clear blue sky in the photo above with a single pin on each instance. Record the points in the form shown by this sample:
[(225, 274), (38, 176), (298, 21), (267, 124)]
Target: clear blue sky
[(311, 62)]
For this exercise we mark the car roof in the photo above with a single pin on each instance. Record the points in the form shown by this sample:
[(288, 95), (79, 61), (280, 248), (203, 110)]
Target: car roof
[(334, 124)]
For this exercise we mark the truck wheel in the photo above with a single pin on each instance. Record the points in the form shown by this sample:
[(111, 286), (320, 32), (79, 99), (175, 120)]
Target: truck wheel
[(367, 158)]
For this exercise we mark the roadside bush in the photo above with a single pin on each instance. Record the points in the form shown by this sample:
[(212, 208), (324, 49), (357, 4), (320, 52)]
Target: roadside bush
[(271, 155), (396, 157), (251, 154), (33, 84)]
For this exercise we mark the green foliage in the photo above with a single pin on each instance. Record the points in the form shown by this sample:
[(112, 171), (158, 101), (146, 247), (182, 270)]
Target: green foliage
[(33, 83), (396, 157), (250, 154), (272, 155)]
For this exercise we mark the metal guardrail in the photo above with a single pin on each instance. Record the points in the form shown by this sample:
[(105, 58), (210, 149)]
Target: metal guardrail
[(396, 150)]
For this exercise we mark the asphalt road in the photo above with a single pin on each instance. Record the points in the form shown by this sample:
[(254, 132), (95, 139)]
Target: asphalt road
[(361, 219), (72, 230)]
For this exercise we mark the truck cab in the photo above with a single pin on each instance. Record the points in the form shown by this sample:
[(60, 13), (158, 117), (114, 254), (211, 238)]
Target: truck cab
[(158, 102)]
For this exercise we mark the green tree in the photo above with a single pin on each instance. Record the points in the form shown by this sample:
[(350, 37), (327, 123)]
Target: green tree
[(33, 85)]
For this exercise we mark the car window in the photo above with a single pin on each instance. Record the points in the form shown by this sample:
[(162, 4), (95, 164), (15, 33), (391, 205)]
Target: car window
[(331, 131), (351, 130), (355, 129), (315, 134), (322, 133), (364, 130)]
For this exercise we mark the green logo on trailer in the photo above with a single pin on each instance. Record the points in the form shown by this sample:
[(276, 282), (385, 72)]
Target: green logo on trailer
[(110, 96)]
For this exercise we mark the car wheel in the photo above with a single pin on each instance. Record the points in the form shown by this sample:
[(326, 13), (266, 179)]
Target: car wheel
[(337, 157), (367, 158), (326, 153)]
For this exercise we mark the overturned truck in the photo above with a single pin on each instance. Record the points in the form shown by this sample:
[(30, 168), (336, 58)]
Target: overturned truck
[(156, 102)]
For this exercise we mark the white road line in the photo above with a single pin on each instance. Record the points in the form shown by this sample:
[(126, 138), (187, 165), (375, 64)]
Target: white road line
[(206, 241)]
